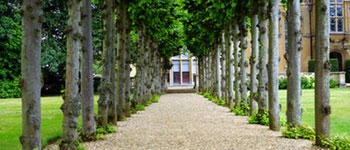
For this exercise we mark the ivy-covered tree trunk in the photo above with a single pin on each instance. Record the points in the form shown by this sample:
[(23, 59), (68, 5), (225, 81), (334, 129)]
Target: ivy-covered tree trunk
[(87, 88), (263, 39), (72, 99), (229, 65), (273, 66), (244, 63), (123, 30), (218, 71), (108, 55), (237, 68), (293, 57), (254, 57), (322, 70), (30, 82)]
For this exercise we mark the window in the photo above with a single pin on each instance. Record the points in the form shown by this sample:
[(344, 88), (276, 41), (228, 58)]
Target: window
[(336, 16)]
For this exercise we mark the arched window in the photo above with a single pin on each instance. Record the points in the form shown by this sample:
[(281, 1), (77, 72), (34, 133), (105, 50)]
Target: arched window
[(336, 16)]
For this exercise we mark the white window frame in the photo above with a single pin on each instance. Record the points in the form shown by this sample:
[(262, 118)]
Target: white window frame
[(335, 3)]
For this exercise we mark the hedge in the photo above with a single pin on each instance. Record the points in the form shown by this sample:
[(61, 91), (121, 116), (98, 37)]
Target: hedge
[(334, 65), (347, 70)]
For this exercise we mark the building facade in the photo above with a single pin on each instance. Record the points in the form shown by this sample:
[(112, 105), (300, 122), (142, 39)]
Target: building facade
[(183, 70), (339, 33)]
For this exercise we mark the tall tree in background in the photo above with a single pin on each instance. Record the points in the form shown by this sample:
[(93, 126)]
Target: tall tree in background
[(87, 87), (273, 66), (242, 8), (106, 90), (123, 30), (31, 11), (236, 64), (71, 106), (263, 42), (293, 57), (322, 70), (254, 56)]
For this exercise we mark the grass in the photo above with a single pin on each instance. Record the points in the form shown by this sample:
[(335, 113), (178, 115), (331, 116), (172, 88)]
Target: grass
[(11, 126), (340, 104)]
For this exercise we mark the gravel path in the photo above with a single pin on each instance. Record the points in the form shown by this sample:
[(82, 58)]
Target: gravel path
[(188, 121)]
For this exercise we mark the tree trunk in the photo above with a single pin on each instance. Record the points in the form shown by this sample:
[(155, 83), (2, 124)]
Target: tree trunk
[(127, 89), (236, 63), (244, 63), (123, 29), (30, 82), (107, 70), (71, 105), (273, 66), (229, 66), (293, 57), (223, 66), (263, 39), (87, 87), (254, 58), (218, 71), (322, 70)]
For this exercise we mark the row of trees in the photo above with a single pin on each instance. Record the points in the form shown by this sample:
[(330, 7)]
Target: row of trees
[(217, 31), (149, 27)]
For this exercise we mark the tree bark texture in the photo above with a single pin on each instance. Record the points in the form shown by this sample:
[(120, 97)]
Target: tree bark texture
[(123, 30), (322, 70), (236, 63), (263, 42), (107, 70), (229, 66), (273, 66), (244, 63), (72, 99), (223, 66), (218, 71), (293, 57), (30, 83), (254, 58), (87, 79)]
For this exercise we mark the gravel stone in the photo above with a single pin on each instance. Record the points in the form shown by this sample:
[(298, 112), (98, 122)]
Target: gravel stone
[(189, 121)]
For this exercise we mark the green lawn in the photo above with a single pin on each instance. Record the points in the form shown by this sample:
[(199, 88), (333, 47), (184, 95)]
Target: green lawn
[(340, 104), (11, 126)]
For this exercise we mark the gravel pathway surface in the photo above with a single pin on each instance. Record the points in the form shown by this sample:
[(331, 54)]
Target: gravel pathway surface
[(189, 121)]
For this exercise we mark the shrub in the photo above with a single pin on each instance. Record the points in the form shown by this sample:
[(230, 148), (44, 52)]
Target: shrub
[(155, 99), (336, 143), (221, 102), (311, 65), (333, 83), (283, 83), (10, 89), (207, 95), (347, 70), (262, 119), (306, 83), (301, 132), (334, 65)]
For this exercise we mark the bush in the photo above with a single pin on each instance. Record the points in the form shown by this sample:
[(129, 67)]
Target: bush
[(336, 143), (10, 89), (301, 132), (311, 65), (262, 119), (333, 83), (334, 65), (347, 70), (306, 83), (283, 83)]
